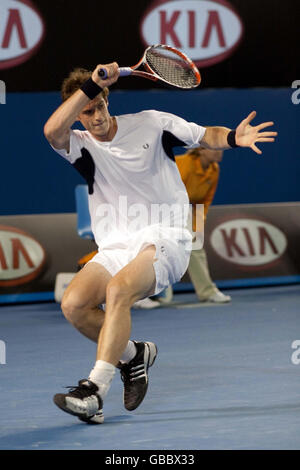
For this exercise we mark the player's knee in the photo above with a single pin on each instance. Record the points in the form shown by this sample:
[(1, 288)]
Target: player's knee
[(72, 307), (119, 291)]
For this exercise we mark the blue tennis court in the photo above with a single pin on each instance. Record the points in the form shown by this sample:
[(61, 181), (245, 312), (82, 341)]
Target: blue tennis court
[(223, 379)]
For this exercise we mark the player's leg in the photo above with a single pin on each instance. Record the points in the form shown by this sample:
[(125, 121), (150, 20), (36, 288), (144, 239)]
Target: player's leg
[(80, 306), (136, 280), (81, 300)]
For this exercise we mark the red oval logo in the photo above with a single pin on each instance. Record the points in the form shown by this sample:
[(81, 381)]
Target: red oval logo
[(21, 32), (207, 31), (248, 242), (22, 258)]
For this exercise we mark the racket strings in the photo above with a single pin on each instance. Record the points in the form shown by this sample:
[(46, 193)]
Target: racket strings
[(171, 67)]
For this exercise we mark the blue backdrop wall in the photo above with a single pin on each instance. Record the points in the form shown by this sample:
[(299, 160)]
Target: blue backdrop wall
[(34, 179)]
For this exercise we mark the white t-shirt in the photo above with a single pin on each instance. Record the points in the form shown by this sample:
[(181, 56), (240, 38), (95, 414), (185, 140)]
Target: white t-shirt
[(133, 179)]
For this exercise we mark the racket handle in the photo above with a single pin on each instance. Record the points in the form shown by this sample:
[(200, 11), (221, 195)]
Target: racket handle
[(124, 71)]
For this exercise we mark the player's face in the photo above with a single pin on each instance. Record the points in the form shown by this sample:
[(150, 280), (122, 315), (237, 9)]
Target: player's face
[(97, 120)]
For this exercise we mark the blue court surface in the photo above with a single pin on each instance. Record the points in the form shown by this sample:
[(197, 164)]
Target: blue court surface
[(226, 377)]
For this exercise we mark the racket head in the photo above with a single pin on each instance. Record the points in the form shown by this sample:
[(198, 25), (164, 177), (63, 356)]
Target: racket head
[(171, 66)]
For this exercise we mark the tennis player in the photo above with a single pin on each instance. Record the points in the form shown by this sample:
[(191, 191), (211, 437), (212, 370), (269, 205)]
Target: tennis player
[(127, 157)]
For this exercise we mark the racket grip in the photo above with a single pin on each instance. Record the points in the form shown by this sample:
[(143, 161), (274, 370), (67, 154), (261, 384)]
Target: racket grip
[(124, 71)]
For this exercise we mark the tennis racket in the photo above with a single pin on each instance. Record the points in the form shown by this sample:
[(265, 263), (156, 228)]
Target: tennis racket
[(166, 64)]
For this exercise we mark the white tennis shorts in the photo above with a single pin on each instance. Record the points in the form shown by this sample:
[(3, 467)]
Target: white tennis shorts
[(173, 248)]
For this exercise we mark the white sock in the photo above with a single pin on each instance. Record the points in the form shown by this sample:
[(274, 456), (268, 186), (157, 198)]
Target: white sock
[(129, 352), (102, 375)]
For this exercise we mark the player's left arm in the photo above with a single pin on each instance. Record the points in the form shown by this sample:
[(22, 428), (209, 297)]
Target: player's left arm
[(245, 135)]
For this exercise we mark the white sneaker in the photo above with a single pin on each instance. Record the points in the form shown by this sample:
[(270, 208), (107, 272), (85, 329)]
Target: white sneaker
[(146, 303), (165, 296), (82, 401), (219, 298)]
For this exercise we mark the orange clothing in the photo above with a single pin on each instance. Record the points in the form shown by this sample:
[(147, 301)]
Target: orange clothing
[(82, 261), (200, 184)]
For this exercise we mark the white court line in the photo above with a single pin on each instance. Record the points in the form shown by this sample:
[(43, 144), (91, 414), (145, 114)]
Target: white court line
[(194, 305)]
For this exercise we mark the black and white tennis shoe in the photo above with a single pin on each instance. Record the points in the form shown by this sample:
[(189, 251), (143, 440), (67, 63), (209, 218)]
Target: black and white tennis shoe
[(135, 374), (82, 401)]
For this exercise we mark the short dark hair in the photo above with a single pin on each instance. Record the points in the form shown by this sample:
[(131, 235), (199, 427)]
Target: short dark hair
[(75, 80)]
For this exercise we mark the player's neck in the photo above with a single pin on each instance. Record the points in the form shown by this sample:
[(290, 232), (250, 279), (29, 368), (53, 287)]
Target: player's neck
[(110, 133)]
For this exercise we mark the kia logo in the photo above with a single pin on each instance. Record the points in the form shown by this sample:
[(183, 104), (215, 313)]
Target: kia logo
[(21, 32), (207, 31), (248, 242), (21, 257)]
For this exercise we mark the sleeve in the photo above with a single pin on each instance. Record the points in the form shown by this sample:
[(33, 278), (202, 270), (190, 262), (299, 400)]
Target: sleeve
[(189, 133), (76, 144), (211, 193)]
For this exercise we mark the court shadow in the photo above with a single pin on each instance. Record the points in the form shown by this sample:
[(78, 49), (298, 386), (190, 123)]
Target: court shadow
[(52, 436), (118, 419), (225, 412), (33, 439)]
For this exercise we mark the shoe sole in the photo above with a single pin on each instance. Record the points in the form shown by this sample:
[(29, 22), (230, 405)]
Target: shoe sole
[(60, 403), (90, 420), (151, 353)]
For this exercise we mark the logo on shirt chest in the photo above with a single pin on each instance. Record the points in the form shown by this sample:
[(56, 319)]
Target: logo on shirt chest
[(146, 146)]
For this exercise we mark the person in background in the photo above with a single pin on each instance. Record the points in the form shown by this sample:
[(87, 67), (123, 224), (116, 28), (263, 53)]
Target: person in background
[(199, 169)]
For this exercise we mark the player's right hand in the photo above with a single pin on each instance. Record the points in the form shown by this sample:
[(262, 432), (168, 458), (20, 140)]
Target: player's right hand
[(112, 71)]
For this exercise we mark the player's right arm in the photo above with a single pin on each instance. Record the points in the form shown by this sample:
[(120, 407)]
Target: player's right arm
[(57, 128)]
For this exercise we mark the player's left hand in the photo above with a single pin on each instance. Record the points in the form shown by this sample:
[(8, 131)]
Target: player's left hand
[(248, 136)]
